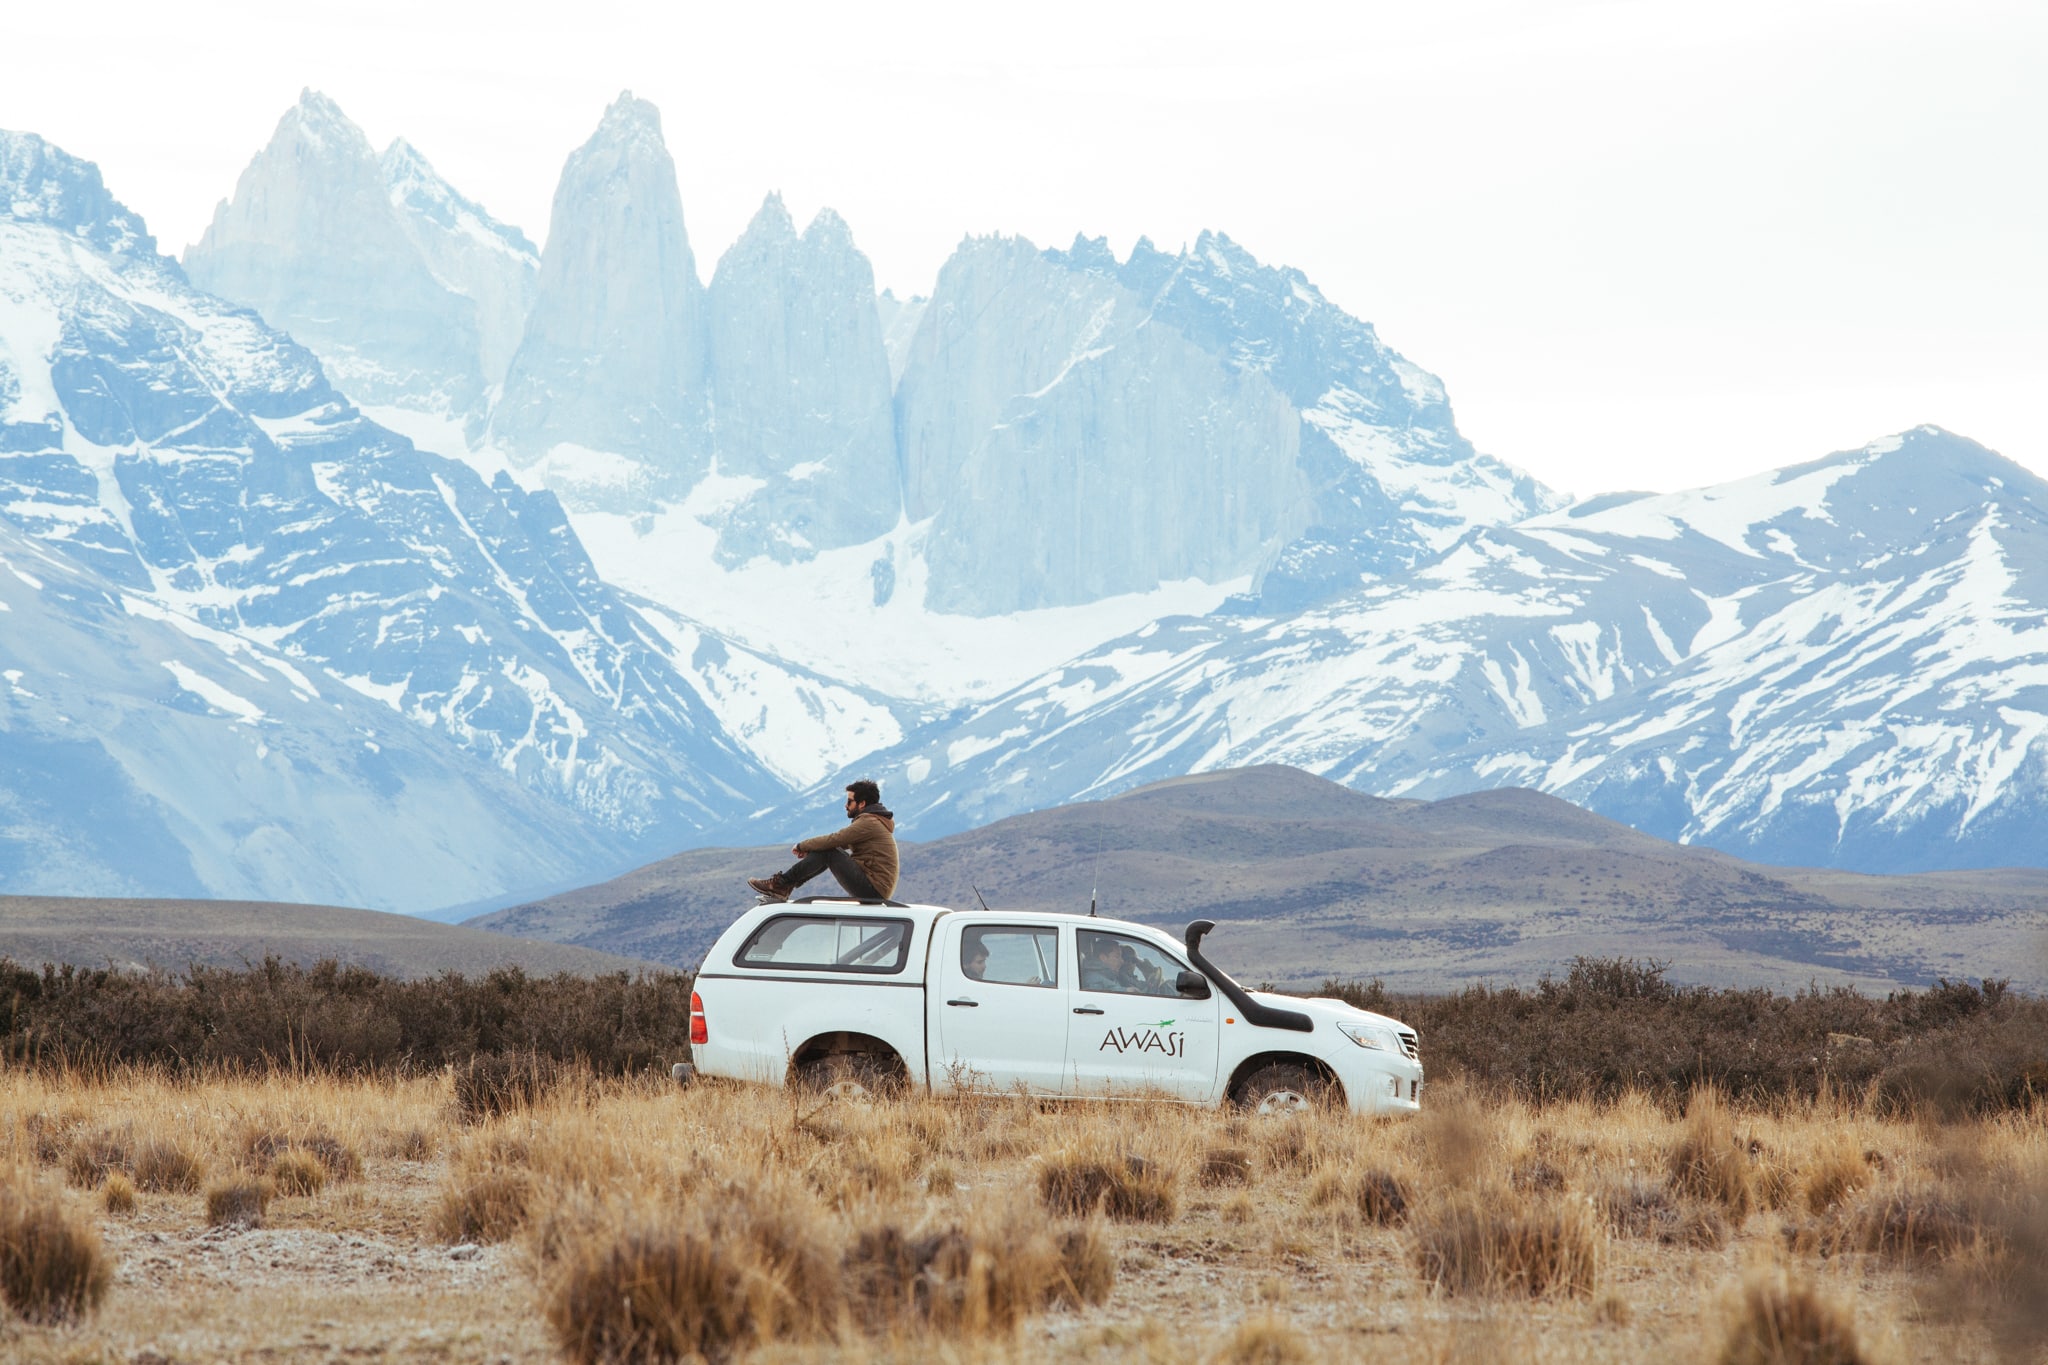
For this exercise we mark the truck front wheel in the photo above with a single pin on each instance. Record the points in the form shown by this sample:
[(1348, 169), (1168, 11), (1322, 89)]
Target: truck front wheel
[(858, 1076), (1283, 1088)]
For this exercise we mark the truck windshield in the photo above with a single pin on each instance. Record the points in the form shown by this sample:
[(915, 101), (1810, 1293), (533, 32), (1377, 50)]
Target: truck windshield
[(827, 943)]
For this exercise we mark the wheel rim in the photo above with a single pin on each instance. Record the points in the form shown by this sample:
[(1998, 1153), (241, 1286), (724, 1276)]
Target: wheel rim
[(1283, 1102), (850, 1090)]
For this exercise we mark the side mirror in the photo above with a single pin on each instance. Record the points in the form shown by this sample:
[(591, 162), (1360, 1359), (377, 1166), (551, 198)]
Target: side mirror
[(1193, 985)]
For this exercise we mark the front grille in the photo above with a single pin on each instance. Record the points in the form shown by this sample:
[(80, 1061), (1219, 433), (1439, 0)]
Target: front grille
[(1408, 1046)]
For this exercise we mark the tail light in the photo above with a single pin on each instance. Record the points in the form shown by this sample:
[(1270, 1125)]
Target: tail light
[(700, 1029)]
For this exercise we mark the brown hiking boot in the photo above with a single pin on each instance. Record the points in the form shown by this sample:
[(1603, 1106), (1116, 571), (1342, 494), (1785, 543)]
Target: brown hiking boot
[(771, 888)]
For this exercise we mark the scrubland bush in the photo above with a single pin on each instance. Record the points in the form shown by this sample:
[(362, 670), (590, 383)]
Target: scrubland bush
[(1614, 1026), (52, 1267), (332, 1018)]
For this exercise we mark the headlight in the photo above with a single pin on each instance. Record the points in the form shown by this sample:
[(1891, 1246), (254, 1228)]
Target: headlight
[(1369, 1035)]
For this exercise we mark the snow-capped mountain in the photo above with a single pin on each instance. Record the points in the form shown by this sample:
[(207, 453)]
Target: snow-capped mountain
[(800, 386), (254, 626), (1844, 662), (405, 290), (609, 388)]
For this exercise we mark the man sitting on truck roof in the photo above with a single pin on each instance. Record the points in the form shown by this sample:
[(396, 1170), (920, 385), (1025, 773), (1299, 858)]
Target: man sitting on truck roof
[(862, 856)]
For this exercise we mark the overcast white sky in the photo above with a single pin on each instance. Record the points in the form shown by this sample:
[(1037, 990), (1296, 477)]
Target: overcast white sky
[(1645, 245)]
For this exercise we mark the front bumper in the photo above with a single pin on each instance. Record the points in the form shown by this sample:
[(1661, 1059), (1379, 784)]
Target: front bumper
[(1381, 1083)]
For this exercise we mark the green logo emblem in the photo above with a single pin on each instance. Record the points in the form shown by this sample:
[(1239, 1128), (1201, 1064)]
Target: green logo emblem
[(1164, 1023)]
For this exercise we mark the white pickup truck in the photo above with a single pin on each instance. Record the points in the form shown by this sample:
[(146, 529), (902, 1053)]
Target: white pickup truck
[(867, 996)]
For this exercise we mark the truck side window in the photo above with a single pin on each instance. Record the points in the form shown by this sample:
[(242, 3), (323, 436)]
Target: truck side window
[(1124, 965), (827, 943), (1011, 955)]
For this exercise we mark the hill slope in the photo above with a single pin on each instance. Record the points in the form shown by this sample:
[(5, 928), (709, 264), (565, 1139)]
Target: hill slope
[(1311, 879), (175, 933)]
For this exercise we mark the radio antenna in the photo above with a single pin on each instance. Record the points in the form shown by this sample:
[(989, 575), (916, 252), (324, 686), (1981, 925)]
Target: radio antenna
[(978, 896)]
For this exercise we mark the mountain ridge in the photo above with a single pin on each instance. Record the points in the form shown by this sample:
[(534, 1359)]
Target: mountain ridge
[(1310, 880)]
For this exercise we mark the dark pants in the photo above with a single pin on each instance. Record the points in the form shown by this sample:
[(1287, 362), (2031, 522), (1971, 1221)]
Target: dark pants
[(840, 864)]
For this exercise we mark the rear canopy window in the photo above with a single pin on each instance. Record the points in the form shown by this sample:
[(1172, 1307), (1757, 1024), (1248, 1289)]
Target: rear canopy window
[(827, 943)]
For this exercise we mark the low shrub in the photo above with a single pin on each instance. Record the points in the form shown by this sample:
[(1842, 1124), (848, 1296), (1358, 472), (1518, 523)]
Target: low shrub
[(1122, 1187), (1779, 1320), (335, 1019), (238, 1201), (52, 1267), (1508, 1245), (1616, 1025)]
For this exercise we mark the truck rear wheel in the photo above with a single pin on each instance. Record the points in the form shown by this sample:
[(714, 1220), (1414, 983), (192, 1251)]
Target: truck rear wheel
[(1283, 1088), (857, 1076)]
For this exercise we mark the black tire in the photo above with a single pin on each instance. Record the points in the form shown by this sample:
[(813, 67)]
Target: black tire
[(858, 1077), (1284, 1088)]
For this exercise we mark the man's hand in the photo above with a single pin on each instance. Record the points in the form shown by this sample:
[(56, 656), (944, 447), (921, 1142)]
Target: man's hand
[(795, 852)]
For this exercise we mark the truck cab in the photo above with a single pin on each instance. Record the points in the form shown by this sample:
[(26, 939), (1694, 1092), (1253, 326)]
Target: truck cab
[(856, 995)]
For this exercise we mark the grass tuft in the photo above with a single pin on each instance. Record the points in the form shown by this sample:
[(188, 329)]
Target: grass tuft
[(1837, 1171), (493, 1084), (52, 1267), (89, 1157), (711, 1285), (1498, 1244), (294, 1171), (1264, 1340), (483, 1204), (1126, 1188), (117, 1195), (1708, 1162), (1225, 1166), (1778, 1320), (238, 1201), (163, 1165)]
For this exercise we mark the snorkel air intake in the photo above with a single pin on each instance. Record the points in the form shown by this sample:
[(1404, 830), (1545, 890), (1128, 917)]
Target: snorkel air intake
[(1264, 1016)]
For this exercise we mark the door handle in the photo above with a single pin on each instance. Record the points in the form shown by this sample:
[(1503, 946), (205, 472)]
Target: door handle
[(1086, 1009), (971, 1004)]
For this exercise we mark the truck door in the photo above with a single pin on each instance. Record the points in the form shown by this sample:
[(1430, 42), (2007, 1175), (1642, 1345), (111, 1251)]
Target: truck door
[(1129, 1030), (999, 1011)]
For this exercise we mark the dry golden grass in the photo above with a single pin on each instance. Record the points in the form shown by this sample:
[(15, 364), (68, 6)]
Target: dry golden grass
[(52, 1267), (629, 1219)]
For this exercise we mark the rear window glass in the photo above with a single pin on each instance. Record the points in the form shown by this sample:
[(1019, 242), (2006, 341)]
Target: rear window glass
[(827, 943), (1012, 956)]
